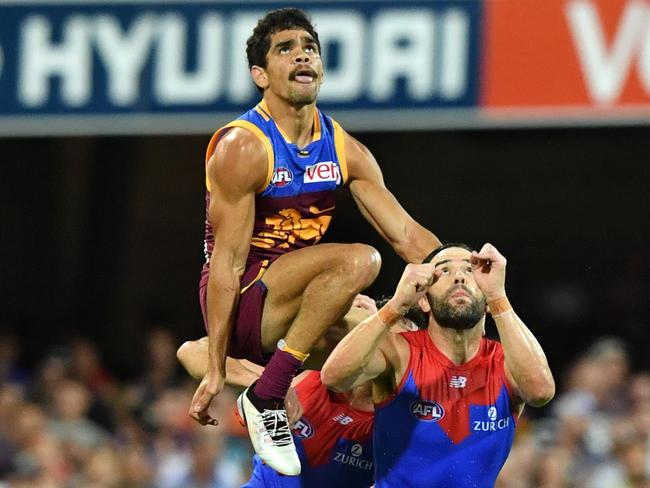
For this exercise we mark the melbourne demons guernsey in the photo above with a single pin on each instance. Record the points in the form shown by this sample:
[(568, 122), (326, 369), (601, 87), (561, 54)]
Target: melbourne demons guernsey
[(294, 207), (447, 426), (333, 440)]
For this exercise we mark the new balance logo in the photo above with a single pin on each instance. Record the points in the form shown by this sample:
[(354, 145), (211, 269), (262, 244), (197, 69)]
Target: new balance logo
[(457, 382), (343, 419)]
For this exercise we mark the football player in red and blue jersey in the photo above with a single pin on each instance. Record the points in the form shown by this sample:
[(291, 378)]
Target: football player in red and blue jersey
[(446, 398), (268, 294)]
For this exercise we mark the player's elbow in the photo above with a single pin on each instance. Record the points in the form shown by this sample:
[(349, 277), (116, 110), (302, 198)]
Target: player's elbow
[(332, 379), (416, 242), (540, 392)]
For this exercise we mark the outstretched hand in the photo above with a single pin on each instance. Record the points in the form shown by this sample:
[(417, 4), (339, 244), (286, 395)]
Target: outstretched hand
[(489, 270), (205, 393), (414, 283)]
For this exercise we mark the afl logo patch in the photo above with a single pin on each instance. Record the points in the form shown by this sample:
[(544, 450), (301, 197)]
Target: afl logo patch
[(427, 411), (302, 429), (282, 177)]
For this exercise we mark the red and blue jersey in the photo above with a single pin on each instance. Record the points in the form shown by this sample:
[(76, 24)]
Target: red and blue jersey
[(294, 206), (333, 440), (447, 425)]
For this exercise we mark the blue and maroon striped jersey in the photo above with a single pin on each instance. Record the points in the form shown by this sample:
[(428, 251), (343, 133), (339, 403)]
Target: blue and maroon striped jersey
[(295, 206)]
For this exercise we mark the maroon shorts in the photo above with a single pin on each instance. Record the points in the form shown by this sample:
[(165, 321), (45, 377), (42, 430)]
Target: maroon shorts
[(245, 339)]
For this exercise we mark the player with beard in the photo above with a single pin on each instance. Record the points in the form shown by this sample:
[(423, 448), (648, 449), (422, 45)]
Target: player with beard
[(446, 398)]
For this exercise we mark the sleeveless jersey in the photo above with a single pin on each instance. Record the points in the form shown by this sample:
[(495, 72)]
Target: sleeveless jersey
[(294, 207), (447, 425), (333, 440)]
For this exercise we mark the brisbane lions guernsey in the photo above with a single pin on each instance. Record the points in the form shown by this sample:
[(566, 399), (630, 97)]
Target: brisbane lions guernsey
[(294, 207), (446, 426), (333, 440)]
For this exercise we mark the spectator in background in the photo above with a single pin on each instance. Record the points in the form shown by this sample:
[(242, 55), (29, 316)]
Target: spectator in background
[(10, 370), (79, 436), (86, 367)]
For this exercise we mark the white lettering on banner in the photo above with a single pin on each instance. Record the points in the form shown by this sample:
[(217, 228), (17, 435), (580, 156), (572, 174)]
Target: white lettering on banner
[(606, 70), (40, 59), (124, 54), (344, 82), (453, 70), (403, 50), (172, 84), (428, 50), (241, 87)]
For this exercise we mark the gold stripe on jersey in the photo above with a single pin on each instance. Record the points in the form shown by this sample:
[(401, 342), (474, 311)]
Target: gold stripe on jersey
[(317, 130), (263, 110), (339, 146), (260, 273), (244, 124), (264, 114)]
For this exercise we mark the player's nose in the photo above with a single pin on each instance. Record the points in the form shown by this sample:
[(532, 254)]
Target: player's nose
[(459, 277), (301, 57)]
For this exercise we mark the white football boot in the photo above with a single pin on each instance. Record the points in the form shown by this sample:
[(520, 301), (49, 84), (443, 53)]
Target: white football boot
[(269, 432)]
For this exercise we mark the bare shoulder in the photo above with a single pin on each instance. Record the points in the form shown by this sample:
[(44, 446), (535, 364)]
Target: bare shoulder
[(239, 160)]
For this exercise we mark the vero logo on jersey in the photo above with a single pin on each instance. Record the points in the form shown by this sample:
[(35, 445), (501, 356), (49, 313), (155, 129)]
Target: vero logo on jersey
[(324, 171), (427, 411), (282, 177)]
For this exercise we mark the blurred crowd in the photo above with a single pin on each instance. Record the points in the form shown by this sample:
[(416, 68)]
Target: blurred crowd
[(596, 433), (70, 423)]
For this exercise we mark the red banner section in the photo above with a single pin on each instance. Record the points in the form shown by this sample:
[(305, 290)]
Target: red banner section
[(575, 54)]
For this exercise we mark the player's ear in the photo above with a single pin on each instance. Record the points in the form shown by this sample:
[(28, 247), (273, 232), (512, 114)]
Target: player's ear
[(423, 302), (260, 78)]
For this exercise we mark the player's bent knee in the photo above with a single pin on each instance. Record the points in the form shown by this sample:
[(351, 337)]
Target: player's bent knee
[(183, 353), (363, 262)]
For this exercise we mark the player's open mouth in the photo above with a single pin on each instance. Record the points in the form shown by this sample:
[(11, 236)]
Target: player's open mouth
[(303, 76)]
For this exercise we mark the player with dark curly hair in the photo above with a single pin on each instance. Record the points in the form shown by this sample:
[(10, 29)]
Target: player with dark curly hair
[(267, 293)]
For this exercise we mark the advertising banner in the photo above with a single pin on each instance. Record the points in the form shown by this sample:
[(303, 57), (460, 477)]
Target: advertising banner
[(563, 58), (87, 66), (145, 66)]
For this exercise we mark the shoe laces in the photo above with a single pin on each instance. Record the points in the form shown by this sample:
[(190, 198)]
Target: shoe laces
[(277, 426)]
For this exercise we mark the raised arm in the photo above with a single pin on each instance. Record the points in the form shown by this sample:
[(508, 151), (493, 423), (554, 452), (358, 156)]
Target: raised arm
[(370, 350), (525, 362), (235, 171), (378, 205)]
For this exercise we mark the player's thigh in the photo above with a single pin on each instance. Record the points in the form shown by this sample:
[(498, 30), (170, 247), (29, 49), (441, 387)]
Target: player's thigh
[(290, 274)]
